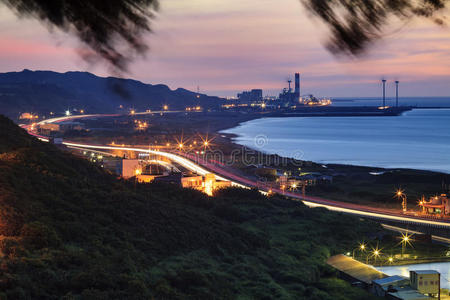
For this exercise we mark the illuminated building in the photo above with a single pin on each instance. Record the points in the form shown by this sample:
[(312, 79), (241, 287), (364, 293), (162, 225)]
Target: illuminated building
[(28, 116), (207, 184), (425, 281), (437, 205), (48, 128), (192, 182), (128, 167)]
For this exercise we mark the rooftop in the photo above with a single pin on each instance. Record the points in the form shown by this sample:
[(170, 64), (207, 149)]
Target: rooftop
[(425, 271), (389, 280), (407, 293), (355, 269)]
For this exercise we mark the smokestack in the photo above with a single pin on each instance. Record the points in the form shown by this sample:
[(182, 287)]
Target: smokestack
[(297, 85)]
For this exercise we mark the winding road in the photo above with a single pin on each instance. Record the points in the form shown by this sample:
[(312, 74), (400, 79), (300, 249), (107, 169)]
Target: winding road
[(202, 167)]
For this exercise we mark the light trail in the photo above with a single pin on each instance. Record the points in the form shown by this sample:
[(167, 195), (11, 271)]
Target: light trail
[(246, 183), (91, 116), (436, 238), (201, 171), (178, 159)]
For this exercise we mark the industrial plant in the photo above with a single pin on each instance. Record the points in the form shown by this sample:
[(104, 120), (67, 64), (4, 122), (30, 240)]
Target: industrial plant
[(288, 98)]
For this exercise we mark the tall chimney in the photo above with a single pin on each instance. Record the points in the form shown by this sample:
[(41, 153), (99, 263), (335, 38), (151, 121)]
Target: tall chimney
[(297, 86)]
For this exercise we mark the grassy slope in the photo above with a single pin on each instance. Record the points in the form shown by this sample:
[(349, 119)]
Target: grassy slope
[(71, 231)]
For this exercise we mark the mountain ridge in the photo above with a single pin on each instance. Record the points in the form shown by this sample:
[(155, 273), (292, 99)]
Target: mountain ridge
[(48, 91)]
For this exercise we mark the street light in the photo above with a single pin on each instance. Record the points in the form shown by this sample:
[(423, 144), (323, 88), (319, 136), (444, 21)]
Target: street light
[(406, 239), (137, 172), (422, 203), (376, 252), (401, 196), (361, 247)]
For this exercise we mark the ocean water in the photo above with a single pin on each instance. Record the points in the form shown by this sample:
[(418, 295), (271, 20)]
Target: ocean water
[(418, 139), (403, 101)]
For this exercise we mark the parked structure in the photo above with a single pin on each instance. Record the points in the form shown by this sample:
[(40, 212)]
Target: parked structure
[(51, 128), (425, 281), (421, 285), (437, 205)]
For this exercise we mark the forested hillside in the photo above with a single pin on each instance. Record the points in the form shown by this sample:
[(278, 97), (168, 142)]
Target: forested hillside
[(43, 92), (71, 231)]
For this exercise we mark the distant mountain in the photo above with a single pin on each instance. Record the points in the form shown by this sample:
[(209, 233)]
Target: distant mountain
[(45, 91)]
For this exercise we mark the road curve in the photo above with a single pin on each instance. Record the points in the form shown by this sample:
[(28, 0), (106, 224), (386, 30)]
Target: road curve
[(203, 167)]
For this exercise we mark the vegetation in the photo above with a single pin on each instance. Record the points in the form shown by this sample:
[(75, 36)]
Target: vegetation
[(356, 184), (43, 92), (71, 231)]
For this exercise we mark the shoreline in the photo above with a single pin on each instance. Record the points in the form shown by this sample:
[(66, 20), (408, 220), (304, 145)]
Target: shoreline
[(229, 137)]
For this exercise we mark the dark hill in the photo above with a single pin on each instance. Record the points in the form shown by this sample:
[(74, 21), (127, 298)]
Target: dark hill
[(68, 230), (46, 91)]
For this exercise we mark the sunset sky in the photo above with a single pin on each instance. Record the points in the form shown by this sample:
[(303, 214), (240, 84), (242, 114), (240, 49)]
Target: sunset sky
[(228, 46)]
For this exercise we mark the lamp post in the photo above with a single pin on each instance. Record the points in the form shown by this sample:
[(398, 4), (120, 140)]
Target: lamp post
[(406, 239), (137, 172), (402, 196), (422, 203), (361, 247), (376, 252), (396, 93)]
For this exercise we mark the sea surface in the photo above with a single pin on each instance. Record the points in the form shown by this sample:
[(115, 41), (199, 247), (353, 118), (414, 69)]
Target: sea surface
[(418, 139), (441, 267), (403, 101)]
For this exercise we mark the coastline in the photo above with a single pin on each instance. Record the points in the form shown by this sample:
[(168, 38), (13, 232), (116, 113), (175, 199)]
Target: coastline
[(230, 138)]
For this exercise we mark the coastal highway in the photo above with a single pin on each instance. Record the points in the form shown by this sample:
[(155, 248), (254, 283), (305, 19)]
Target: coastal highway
[(202, 167)]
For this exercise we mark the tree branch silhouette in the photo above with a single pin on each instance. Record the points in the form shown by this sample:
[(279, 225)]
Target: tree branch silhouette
[(355, 24), (112, 30)]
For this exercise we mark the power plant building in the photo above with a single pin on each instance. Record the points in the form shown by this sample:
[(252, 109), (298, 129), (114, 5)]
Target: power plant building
[(254, 95), (290, 97)]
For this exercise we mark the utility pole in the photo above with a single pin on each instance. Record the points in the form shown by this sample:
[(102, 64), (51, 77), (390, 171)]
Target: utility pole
[(396, 93)]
